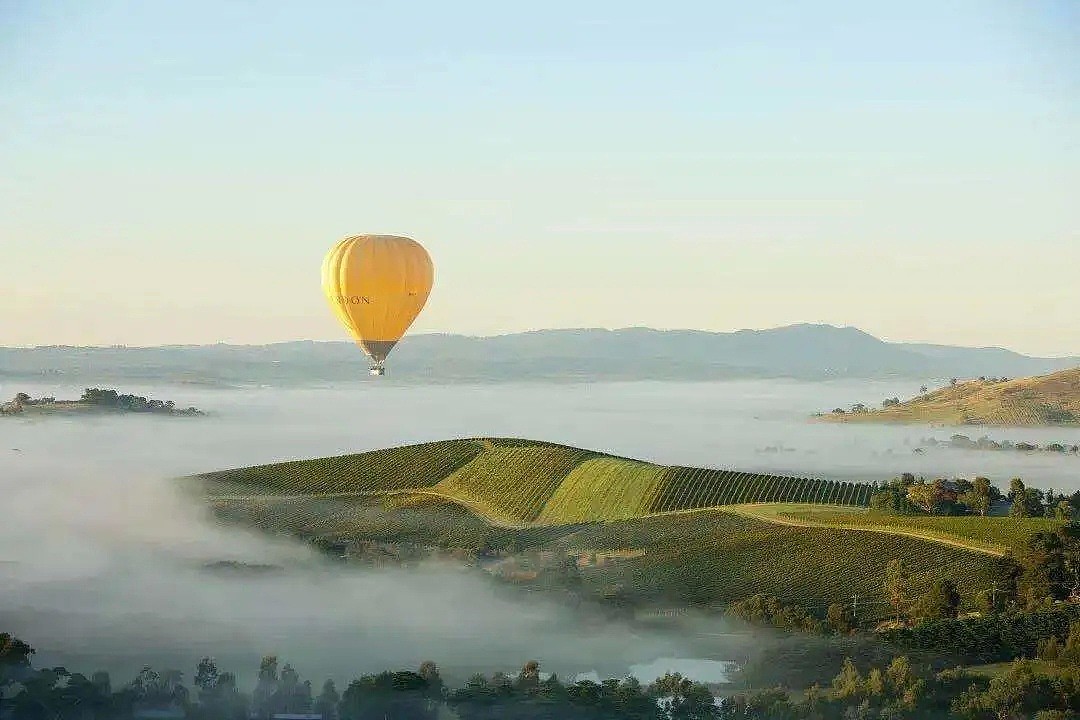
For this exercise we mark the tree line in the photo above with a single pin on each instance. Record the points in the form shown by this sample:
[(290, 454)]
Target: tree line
[(985, 443), (908, 495), (27, 693), (135, 403), (897, 690)]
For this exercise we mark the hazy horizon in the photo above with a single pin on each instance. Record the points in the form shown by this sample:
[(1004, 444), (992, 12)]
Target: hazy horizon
[(1071, 354), (177, 172)]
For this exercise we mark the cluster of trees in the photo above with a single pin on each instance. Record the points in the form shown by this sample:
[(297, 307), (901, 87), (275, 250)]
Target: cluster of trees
[(896, 498), (1038, 575), (1041, 573), (987, 638), (908, 495), (1065, 653), (768, 610), (112, 399), (941, 600), (24, 399)]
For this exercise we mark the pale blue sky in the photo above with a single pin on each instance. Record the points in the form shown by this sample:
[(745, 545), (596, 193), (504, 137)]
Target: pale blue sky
[(174, 172)]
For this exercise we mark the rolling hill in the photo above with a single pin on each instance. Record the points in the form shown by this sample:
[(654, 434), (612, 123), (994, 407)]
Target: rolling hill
[(1052, 399), (691, 535), (522, 482)]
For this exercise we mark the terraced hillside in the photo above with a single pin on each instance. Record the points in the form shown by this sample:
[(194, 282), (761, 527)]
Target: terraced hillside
[(522, 482)]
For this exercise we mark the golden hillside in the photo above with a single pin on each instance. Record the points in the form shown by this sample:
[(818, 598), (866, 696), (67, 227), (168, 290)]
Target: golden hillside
[(1041, 400)]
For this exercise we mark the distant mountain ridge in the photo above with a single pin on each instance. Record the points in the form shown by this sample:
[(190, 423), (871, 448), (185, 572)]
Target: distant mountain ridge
[(804, 351)]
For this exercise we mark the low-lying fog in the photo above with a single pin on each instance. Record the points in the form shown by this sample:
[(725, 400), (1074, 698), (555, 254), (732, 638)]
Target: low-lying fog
[(101, 562)]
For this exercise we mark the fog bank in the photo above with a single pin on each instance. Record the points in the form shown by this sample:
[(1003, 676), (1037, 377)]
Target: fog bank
[(102, 561)]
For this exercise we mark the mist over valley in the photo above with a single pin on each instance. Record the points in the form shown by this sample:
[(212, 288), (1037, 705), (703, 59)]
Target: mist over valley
[(105, 554)]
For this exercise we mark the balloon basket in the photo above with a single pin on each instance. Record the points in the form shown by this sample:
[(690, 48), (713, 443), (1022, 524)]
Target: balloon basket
[(377, 371)]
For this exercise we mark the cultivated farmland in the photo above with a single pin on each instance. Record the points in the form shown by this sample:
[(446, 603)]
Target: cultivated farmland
[(410, 466), (604, 488), (518, 482), (521, 484), (989, 534), (512, 481), (684, 488), (706, 558)]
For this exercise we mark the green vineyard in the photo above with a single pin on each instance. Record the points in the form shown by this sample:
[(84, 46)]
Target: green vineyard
[(521, 482), (813, 567), (710, 558), (518, 481), (513, 481), (999, 533), (604, 488), (407, 467), (684, 488), (692, 535)]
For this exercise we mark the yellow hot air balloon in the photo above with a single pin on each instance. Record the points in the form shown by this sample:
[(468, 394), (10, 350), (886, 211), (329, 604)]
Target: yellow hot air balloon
[(377, 285)]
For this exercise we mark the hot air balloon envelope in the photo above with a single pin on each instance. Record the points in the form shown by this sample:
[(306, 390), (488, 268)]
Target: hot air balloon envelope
[(377, 285)]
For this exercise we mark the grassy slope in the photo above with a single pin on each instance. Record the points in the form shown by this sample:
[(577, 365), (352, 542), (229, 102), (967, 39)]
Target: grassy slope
[(1042, 400)]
